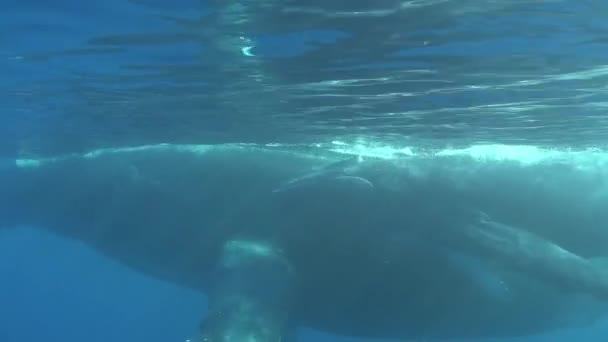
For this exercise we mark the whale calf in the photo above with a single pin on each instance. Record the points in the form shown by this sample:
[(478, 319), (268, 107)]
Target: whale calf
[(438, 245)]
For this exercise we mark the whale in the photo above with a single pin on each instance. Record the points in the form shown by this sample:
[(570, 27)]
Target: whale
[(433, 245)]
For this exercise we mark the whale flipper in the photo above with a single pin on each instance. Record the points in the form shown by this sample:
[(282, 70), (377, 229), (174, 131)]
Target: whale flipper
[(521, 250), (251, 296), (342, 168)]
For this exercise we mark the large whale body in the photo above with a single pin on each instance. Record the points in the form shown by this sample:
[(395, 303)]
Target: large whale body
[(430, 245)]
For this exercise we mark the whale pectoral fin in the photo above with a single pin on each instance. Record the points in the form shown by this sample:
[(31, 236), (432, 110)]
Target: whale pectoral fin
[(252, 295), (317, 201), (332, 170), (523, 251)]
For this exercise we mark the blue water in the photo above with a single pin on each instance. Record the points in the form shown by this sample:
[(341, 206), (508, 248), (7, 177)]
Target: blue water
[(82, 75)]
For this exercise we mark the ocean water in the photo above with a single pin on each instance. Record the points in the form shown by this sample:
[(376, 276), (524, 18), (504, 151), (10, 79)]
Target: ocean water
[(512, 79)]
